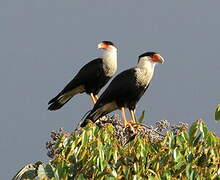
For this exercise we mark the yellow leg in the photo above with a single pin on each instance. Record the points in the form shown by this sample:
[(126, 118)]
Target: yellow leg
[(132, 116), (123, 116), (96, 97), (135, 124), (92, 98)]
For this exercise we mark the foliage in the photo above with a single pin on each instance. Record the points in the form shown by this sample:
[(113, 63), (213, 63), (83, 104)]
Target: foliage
[(217, 113), (98, 152)]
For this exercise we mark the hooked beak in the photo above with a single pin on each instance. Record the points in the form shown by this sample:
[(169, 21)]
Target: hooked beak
[(161, 60), (100, 46), (103, 46), (158, 58)]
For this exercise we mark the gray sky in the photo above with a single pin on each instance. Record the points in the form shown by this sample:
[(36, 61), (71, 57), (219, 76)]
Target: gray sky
[(43, 44)]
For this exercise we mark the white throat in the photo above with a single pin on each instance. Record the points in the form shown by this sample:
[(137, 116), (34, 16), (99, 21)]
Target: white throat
[(144, 71), (109, 58), (146, 64)]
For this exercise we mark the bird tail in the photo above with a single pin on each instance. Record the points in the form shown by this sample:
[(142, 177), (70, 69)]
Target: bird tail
[(93, 116), (82, 121), (98, 111), (58, 102), (64, 96)]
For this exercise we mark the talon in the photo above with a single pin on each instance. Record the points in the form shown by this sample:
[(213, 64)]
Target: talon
[(93, 99), (129, 124), (133, 119), (134, 126)]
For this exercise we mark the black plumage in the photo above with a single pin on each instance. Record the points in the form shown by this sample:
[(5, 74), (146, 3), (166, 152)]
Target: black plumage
[(121, 92), (90, 79), (125, 90)]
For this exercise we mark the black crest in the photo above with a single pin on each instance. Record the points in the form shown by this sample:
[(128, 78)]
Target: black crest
[(147, 54), (109, 43)]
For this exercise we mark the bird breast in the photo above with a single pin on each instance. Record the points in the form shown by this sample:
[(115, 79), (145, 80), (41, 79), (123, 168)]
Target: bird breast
[(110, 69), (143, 77), (110, 63)]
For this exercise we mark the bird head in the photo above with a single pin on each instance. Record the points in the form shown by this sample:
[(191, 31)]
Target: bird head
[(153, 57), (106, 45)]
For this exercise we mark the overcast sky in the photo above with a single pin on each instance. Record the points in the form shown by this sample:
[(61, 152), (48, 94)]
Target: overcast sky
[(43, 43)]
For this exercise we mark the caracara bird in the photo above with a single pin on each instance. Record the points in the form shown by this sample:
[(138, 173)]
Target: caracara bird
[(126, 89), (91, 77)]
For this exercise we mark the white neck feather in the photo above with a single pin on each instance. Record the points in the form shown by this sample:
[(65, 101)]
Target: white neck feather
[(109, 58), (145, 70), (146, 64)]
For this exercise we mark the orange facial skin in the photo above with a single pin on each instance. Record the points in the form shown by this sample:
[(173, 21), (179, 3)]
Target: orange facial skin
[(102, 46), (157, 58)]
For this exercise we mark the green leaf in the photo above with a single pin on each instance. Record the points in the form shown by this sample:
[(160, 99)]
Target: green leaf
[(217, 112), (41, 172), (81, 177), (185, 135), (190, 158), (84, 138), (196, 141), (49, 170), (181, 141), (179, 167), (189, 171), (115, 156), (204, 129), (151, 178), (176, 155), (114, 173), (191, 174), (25, 174), (141, 118), (193, 131), (28, 172), (99, 152), (202, 161)]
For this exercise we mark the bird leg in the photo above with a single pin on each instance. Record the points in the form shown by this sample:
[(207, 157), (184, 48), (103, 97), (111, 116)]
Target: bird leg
[(123, 116), (126, 123), (133, 119), (92, 98), (96, 97)]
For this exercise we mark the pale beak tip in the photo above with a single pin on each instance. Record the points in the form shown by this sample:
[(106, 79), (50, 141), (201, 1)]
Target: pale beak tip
[(162, 60), (99, 46)]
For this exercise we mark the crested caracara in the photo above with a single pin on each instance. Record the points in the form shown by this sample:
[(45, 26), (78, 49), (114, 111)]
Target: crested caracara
[(90, 78), (126, 89)]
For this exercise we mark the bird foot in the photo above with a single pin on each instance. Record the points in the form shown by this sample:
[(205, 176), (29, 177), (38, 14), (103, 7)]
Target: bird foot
[(133, 125), (138, 126), (130, 125)]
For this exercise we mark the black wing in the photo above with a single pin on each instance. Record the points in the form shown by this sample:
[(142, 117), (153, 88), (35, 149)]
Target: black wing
[(123, 90), (90, 72), (116, 91), (121, 86)]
